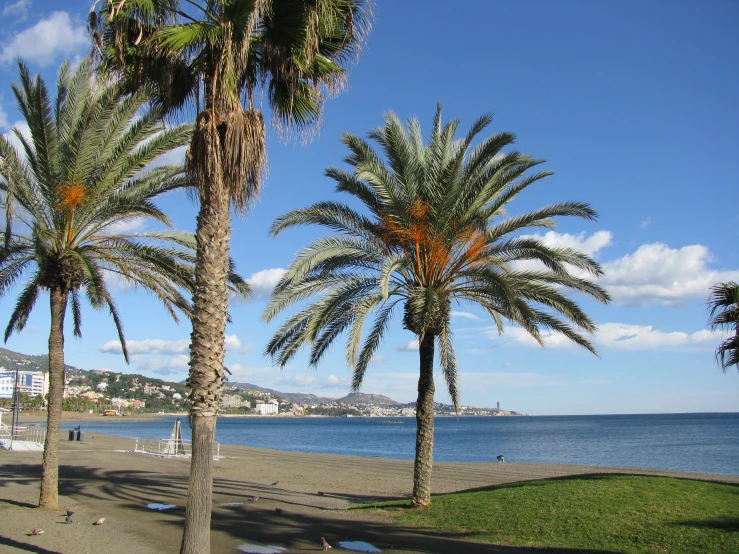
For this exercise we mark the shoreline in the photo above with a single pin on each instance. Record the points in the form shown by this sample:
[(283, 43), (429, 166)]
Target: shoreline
[(72, 418)]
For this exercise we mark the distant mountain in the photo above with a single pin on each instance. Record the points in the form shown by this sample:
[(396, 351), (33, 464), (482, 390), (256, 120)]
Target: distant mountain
[(15, 360), (304, 398), (11, 360), (362, 398)]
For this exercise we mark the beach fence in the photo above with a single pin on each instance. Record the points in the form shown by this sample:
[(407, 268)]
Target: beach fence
[(169, 448), (174, 446), (31, 437)]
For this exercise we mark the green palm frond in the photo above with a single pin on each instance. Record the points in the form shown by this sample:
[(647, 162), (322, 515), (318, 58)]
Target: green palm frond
[(723, 304), (82, 174), (435, 230)]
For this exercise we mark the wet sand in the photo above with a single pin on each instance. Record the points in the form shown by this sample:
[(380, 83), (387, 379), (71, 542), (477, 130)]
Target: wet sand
[(103, 477)]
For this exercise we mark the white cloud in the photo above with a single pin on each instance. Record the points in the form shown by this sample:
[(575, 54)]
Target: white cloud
[(163, 347), (25, 131), (646, 222), (46, 41), (645, 337), (233, 345), (657, 273), (654, 273), (18, 9), (412, 346), (262, 282), (618, 336), (239, 371), (147, 346), (378, 359), (165, 366), (581, 242), (3, 117), (126, 226), (518, 335), (466, 315), (510, 380), (173, 157), (313, 381)]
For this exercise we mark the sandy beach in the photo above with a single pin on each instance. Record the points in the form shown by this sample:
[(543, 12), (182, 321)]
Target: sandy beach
[(102, 477)]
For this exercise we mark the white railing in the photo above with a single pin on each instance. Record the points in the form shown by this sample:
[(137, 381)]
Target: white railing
[(170, 448), (33, 434)]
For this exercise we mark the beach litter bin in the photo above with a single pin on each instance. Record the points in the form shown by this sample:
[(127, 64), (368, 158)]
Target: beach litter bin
[(79, 434), (71, 434)]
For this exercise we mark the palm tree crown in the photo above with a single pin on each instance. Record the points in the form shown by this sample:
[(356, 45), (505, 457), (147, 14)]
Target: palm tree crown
[(222, 53), (723, 303), (81, 177), (433, 231)]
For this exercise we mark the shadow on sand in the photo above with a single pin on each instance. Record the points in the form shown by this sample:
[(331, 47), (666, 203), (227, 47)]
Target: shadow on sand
[(303, 520)]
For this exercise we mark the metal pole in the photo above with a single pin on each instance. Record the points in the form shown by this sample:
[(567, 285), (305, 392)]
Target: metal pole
[(16, 409)]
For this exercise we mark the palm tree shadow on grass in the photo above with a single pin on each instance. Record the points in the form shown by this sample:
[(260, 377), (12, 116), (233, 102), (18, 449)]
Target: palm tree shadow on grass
[(720, 523)]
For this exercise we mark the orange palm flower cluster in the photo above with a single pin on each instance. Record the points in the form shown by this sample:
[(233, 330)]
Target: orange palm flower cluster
[(71, 195), (435, 254)]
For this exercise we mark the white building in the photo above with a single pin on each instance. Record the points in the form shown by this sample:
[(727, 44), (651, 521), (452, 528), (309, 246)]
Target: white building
[(33, 383), (268, 408), (231, 401)]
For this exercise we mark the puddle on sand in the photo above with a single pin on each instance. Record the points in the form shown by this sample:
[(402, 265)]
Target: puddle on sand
[(160, 507), (359, 546), (231, 504), (259, 549)]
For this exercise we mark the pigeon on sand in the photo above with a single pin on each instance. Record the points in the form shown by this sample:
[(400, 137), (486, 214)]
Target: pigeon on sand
[(275, 483), (100, 521), (326, 545), (36, 531), (68, 519)]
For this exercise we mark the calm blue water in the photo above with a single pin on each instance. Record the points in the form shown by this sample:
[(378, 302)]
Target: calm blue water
[(706, 443)]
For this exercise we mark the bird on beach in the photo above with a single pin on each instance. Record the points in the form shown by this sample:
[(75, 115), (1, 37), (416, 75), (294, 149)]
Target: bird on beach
[(500, 458), (254, 498), (37, 531), (100, 521), (321, 493), (325, 545), (69, 512), (275, 483), (68, 519), (279, 510)]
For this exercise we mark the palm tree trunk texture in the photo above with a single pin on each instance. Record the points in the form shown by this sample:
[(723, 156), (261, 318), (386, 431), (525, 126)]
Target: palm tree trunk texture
[(424, 424), (210, 306), (49, 498)]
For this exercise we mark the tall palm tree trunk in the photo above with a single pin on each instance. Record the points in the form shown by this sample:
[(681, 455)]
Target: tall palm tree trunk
[(210, 306), (424, 424), (49, 498)]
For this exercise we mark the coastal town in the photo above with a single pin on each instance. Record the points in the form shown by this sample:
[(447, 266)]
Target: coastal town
[(104, 392)]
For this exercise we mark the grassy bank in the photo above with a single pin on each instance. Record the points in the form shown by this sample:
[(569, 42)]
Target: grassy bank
[(621, 513)]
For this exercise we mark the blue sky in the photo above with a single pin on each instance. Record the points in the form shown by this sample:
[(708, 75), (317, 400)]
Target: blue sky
[(632, 104)]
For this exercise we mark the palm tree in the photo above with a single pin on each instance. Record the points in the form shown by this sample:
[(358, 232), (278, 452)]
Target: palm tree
[(225, 53), (434, 231), (80, 177), (724, 305)]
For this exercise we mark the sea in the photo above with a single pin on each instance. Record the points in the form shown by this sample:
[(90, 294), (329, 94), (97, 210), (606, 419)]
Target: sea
[(700, 442)]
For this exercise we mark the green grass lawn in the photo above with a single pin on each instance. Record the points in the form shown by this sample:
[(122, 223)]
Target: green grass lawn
[(622, 513)]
